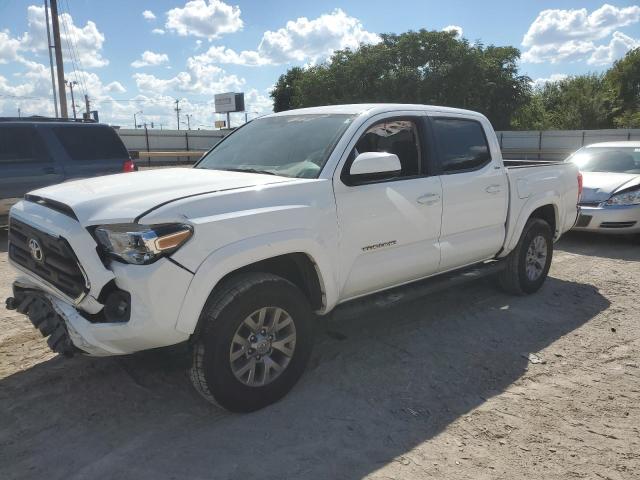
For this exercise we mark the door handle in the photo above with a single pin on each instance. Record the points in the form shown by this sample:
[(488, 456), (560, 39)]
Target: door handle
[(428, 199), (493, 189), (48, 170)]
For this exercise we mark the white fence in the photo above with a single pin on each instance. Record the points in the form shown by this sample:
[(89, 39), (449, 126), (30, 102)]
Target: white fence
[(152, 140), (540, 145), (557, 144)]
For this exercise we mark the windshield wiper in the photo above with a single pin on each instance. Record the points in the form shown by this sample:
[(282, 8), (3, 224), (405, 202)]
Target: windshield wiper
[(248, 170)]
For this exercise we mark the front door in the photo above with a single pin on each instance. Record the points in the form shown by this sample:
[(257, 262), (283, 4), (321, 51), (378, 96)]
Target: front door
[(389, 227)]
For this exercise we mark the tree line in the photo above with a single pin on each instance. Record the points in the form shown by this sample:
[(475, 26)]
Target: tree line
[(439, 68)]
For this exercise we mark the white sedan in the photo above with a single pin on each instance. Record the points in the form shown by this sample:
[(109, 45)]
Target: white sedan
[(610, 201)]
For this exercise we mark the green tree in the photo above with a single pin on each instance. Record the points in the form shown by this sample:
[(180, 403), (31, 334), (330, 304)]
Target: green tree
[(427, 67), (580, 102), (284, 92), (623, 79)]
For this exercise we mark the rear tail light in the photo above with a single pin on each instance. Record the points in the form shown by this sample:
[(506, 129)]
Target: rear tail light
[(579, 186), (129, 166)]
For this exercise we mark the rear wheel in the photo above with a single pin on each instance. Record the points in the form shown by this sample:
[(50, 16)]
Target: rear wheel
[(527, 266), (255, 344)]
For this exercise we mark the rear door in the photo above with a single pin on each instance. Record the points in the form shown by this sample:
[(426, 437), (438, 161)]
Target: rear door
[(25, 163), (90, 150), (475, 192)]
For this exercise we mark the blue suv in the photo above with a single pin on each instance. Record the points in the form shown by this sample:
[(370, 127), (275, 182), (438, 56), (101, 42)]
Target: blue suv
[(37, 152)]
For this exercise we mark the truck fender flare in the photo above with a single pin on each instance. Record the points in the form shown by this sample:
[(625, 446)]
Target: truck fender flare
[(532, 204), (246, 252)]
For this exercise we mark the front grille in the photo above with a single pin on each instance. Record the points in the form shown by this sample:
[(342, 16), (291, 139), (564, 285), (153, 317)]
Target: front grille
[(50, 258), (583, 220), (589, 204), (617, 224)]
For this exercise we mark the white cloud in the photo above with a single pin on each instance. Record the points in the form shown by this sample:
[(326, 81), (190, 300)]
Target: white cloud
[(569, 35), (149, 15), (149, 58), (198, 79), (87, 40), (559, 26), (115, 87), (454, 28), (300, 40), (227, 55), (8, 48), (157, 31), (310, 40), (256, 103), (570, 51), (619, 45), (204, 19), (541, 82)]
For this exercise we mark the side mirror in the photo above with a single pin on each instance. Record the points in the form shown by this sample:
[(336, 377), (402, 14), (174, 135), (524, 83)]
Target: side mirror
[(375, 163)]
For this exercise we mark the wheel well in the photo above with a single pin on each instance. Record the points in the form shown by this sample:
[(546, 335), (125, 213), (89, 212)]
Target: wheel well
[(548, 214), (297, 268)]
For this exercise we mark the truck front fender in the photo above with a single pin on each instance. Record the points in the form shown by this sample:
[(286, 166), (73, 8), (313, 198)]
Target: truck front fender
[(246, 252)]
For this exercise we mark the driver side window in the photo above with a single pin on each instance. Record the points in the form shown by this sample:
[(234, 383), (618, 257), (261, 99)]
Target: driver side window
[(398, 136)]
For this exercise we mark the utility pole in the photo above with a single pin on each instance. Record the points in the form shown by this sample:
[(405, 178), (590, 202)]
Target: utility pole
[(53, 77), (62, 92), (177, 109), (189, 121), (73, 101), (87, 105)]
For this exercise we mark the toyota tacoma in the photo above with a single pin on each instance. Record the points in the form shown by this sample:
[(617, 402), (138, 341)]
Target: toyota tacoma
[(289, 216)]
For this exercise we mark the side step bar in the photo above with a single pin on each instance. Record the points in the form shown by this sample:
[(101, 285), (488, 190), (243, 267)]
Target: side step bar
[(418, 289)]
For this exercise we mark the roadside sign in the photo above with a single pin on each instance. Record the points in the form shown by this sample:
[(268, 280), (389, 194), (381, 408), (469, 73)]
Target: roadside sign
[(220, 124), (229, 102)]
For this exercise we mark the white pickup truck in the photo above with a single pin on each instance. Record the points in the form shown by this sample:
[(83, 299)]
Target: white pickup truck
[(287, 217)]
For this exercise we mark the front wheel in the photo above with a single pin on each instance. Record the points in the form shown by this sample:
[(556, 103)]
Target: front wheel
[(527, 266), (255, 343)]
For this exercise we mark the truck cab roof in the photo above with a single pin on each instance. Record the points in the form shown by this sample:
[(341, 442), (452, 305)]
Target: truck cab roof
[(373, 109)]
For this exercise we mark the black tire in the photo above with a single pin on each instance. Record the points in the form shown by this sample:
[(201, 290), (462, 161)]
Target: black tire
[(513, 279), (211, 370)]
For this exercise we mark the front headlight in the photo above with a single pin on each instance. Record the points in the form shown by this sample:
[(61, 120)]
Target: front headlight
[(141, 244), (625, 198)]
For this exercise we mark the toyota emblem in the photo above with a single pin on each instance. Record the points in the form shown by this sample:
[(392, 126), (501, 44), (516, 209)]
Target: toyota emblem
[(36, 250)]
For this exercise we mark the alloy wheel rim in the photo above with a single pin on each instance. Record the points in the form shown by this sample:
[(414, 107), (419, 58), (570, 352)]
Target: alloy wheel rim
[(262, 346), (536, 258)]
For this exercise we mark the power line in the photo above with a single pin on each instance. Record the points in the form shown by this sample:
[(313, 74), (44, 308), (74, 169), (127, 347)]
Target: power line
[(75, 49), (69, 41)]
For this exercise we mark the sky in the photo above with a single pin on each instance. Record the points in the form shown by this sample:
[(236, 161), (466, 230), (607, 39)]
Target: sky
[(140, 56)]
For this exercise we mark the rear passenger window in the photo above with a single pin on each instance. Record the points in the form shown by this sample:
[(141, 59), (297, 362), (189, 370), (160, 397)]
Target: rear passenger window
[(19, 145), (91, 143), (394, 136), (462, 143)]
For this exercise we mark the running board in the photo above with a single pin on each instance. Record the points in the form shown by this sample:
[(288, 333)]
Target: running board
[(418, 289)]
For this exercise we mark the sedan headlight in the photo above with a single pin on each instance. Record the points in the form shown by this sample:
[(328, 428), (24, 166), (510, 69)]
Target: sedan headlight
[(625, 198), (141, 244)]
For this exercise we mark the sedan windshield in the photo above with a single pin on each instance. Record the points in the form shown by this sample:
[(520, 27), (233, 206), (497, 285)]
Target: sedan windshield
[(607, 159), (288, 145)]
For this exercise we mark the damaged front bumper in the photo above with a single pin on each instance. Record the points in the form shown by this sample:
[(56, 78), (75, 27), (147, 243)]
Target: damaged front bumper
[(154, 295), (40, 309)]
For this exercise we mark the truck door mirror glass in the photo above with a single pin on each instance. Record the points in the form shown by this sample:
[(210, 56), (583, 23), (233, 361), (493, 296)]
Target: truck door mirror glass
[(375, 164)]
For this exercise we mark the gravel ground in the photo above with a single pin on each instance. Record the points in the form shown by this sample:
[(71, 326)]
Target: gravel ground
[(470, 384)]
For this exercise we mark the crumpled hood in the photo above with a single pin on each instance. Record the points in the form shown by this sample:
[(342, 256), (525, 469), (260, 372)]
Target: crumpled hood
[(599, 186), (126, 196)]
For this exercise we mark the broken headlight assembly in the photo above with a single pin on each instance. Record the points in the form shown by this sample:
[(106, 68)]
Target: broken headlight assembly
[(625, 198), (141, 244)]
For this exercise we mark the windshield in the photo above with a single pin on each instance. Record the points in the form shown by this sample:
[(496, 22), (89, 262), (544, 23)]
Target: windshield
[(607, 159), (289, 145)]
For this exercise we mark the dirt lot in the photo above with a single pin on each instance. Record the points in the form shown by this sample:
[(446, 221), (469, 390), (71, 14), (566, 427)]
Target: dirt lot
[(437, 388)]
